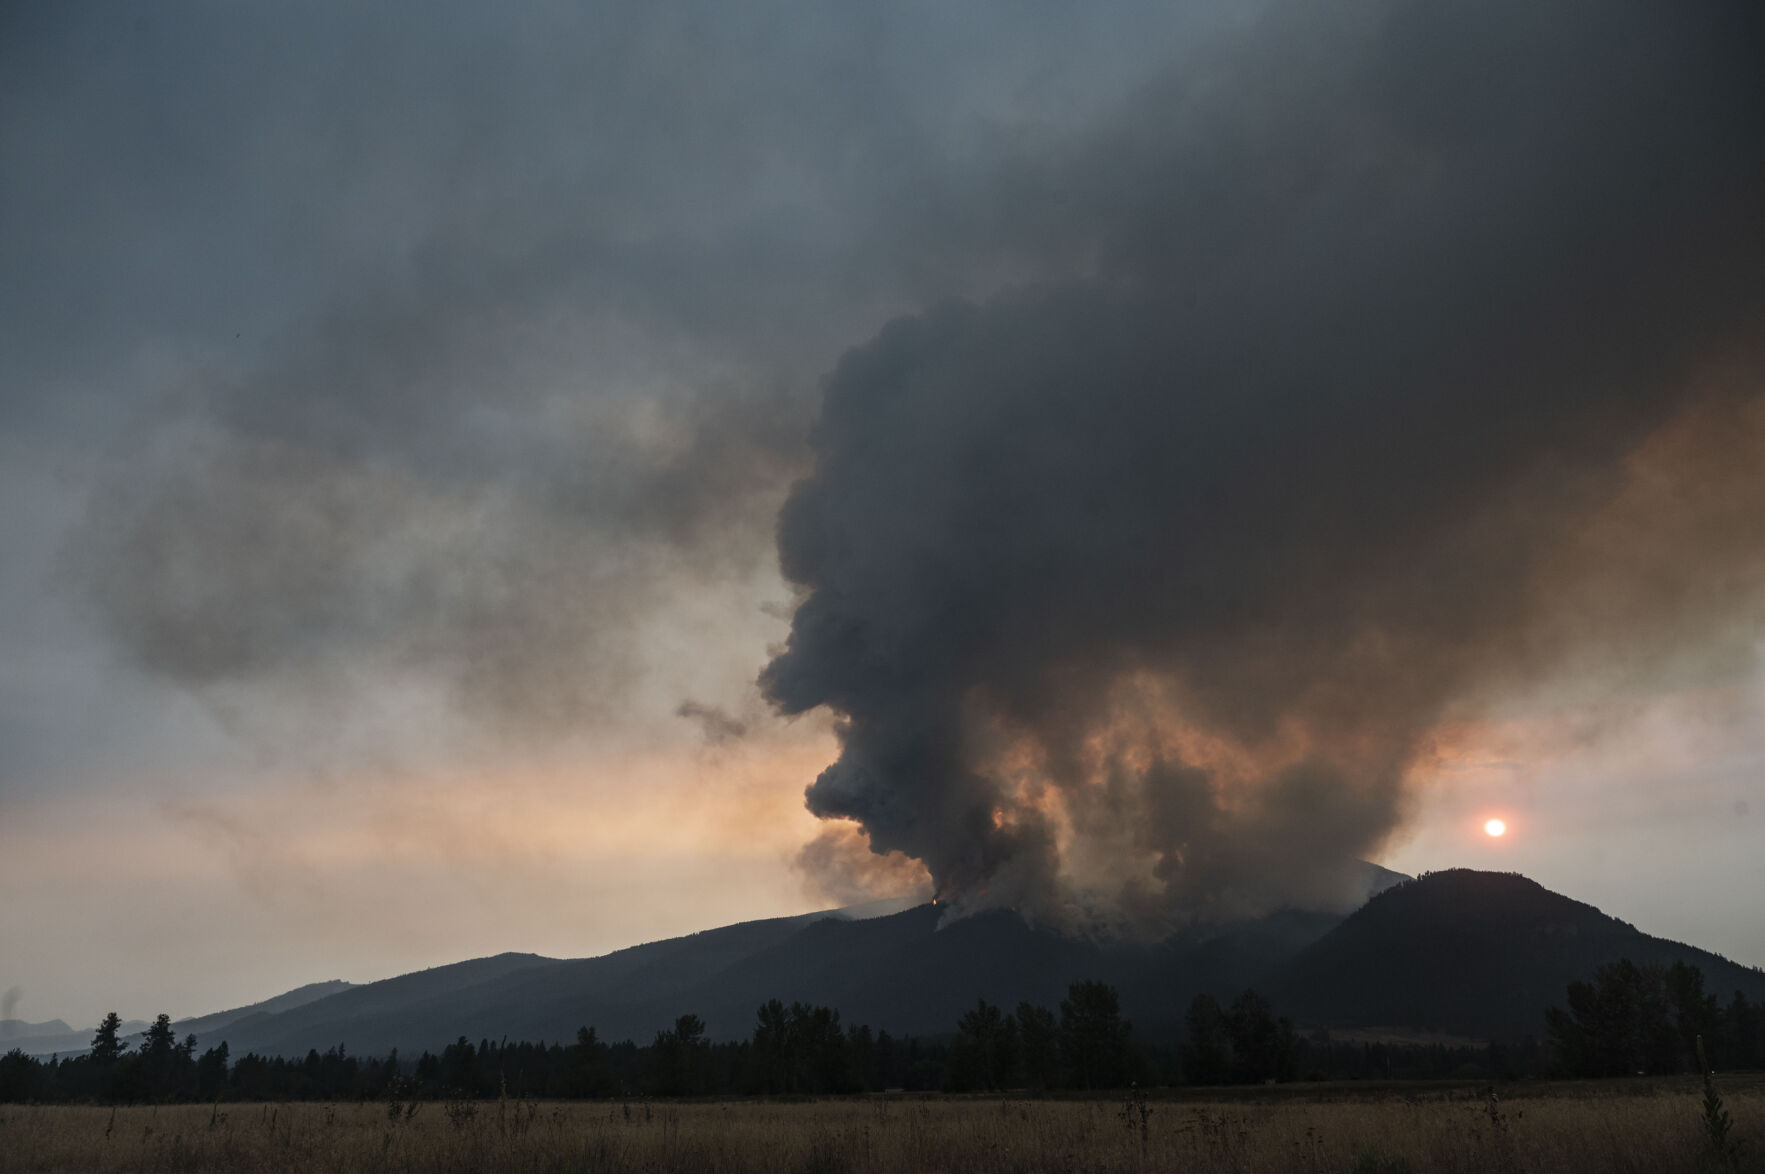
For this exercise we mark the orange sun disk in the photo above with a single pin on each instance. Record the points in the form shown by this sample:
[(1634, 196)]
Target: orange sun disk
[(1496, 827)]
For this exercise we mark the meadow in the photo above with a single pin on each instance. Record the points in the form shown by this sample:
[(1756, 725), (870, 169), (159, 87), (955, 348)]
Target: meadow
[(1644, 1126)]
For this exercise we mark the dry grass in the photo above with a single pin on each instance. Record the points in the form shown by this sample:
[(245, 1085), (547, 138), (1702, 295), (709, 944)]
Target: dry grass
[(1552, 1130)]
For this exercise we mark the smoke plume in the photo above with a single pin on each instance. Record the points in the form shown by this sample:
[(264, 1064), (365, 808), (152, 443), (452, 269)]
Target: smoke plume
[(1137, 591)]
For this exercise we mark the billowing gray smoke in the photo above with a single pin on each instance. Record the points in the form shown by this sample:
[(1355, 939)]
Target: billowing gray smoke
[(1136, 592)]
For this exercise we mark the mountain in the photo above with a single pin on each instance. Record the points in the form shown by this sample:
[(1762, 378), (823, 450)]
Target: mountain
[(628, 993), (906, 972), (67, 1041), (1465, 953), (16, 1027), (298, 997), (1479, 954), (375, 1017)]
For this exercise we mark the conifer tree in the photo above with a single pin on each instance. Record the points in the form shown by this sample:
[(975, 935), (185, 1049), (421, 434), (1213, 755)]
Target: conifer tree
[(107, 1044)]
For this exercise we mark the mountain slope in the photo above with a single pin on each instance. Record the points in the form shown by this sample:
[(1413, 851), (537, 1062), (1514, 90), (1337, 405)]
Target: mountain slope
[(365, 1018), (525, 997), (1467, 953), (905, 972), (312, 992), (1471, 953)]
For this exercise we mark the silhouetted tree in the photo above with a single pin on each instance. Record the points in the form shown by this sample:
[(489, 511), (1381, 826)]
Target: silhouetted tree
[(107, 1045), (819, 1043), (1037, 1046), (1695, 1014), (1093, 1036), (772, 1048), (456, 1069), (18, 1077), (589, 1074), (211, 1072), (1206, 1051), (1263, 1046), (159, 1040), (251, 1076), (1616, 1025), (985, 1052), (680, 1053), (801, 1049), (888, 1063), (1743, 1030), (862, 1057)]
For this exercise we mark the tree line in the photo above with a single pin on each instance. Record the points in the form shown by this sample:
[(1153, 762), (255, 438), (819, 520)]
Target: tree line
[(1083, 1044), (1648, 1019), (1628, 1019), (797, 1049)]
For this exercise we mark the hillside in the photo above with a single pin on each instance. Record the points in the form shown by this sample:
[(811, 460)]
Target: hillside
[(298, 997), (1465, 953), (881, 964), (522, 996), (1480, 954), (901, 972)]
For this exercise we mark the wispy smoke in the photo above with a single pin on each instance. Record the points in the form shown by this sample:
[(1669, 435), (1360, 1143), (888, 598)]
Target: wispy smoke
[(719, 728), (511, 579), (1136, 591)]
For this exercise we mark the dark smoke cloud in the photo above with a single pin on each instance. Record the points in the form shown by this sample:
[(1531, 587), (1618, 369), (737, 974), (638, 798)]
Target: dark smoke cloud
[(1136, 591)]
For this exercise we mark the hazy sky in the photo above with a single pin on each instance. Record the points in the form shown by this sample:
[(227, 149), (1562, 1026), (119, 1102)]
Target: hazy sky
[(397, 404)]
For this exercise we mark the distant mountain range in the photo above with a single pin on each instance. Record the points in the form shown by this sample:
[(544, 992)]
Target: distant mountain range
[(19, 1028), (1472, 954), (57, 1038)]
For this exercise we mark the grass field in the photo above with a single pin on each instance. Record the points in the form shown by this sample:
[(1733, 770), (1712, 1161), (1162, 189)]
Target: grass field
[(1650, 1128)]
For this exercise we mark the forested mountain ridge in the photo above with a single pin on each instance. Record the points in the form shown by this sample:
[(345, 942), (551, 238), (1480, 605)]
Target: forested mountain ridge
[(522, 996), (1481, 954), (1472, 954), (300, 996), (901, 971)]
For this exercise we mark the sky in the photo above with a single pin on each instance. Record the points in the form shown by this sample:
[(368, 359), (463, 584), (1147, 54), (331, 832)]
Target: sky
[(547, 477)]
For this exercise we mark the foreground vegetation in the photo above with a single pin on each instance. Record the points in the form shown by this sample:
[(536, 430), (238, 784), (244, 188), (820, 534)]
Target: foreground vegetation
[(1026, 1090), (1086, 1046), (1558, 1128)]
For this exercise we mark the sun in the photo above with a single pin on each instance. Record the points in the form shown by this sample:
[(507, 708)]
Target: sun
[(1496, 828)]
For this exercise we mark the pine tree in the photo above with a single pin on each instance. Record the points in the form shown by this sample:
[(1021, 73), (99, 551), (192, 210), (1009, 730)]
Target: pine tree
[(107, 1045), (1206, 1053), (1036, 1038), (1093, 1036)]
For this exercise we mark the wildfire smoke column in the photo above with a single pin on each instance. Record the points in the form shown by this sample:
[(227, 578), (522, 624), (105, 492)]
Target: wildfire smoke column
[(1136, 591)]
